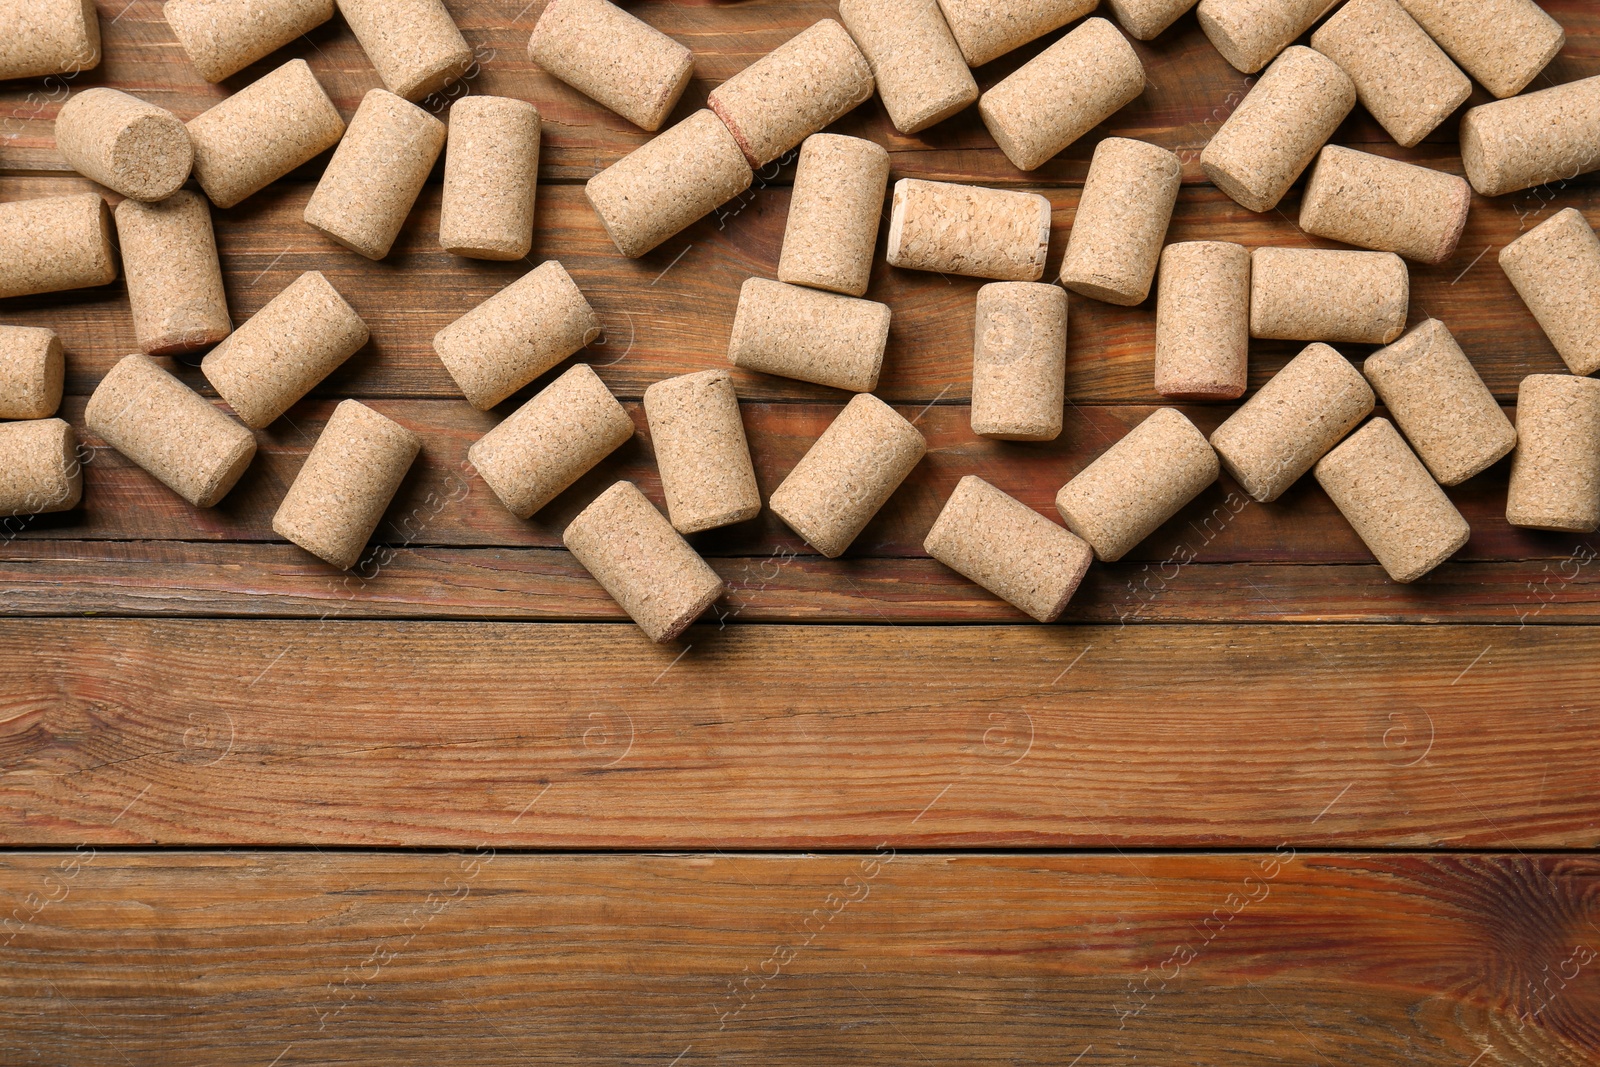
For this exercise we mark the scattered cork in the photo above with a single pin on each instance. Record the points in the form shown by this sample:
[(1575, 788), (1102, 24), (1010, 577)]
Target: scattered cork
[(40, 472), (988, 29), (809, 335), (920, 72), (1203, 321), (1121, 222), (969, 230), (55, 243), (48, 37), (700, 447), (1555, 472), (834, 212), (1019, 361), (169, 254), (128, 146), (222, 37), (1145, 19), (1555, 268), (612, 58), (491, 177), (1502, 43), (1549, 136), (1250, 34), (1386, 205), (1317, 294), (32, 371), (414, 44)]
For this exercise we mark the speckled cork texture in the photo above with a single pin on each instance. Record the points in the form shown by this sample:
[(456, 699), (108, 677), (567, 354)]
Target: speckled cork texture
[(850, 473), (1292, 422), (793, 91), (612, 58), (1145, 19), (1137, 484), (1502, 43), (1317, 294), (1555, 268), (1385, 205), (170, 430), (1008, 548), (834, 213), (262, 132), (646, 565), (969, 230), (491, 177), (414, 44), (1403, 78), (1555, 472), (1019, 361), (40, 472), (346, 484), (1251, 33), (808, 335), (551, 441), (701, 450), (988, 29), (301, 336), (920, 73), (1549, 136), (169, 255), (32, 370), (1277, 130), (55, 243), (668, 183), (127, 145), (1063, 93), (48, 37), (516, 335), (1203, 321), (222, 37), (1121, 222)]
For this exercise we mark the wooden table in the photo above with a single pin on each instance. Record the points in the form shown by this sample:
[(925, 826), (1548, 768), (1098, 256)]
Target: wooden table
[(1251, 803)]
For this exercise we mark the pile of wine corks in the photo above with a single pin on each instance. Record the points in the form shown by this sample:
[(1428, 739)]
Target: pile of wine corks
[(1410, 63)]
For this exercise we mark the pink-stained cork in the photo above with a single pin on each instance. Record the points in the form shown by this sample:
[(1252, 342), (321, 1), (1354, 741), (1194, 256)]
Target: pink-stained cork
[(1252, 33), (809, 335), (1385, 205), (40, 472), (55, 243), (1203, 321), (1555, 473), (988, 29), (969, 230), (414, 44), (1549, 136), (491, 177), (1121, 222), (1019, 361), (32, 371), (222, 37), (700, 446), (921, 75), (1318, 294), (169, 254), (48, 37), (834, 213), (612, 58), (1502, 43), (1145, 19), (127, 145), (1555, 268)]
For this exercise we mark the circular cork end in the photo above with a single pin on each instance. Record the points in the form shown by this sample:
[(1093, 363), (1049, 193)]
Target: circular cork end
[(151, 157), (70, 491), (720, 110), (499, 253), (229, 476), (1458, 226)]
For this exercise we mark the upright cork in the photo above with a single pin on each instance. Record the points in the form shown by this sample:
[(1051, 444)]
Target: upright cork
[(301, 336), (48, 37), (920, 73), (262, 132), (969, 230), (793, 91), (1137, 484), (55, 243), (170, 430), (1277, 130), (1063, 93), (346, 484), (128, 146), (551, 441), (1250, 34), (612, 58), (988, 29), (1317, 294), (833, 214), (414, 44), (1555, 473), (1555, 268), (1203, 321), (32, 372), (1121, 222), (1019, 361), (852, 470), (491, 176), (516, 335), (1008, 548), (669, 182), (169, 253), (40, 472), (1549, 136), (1386, 205), (1292, 421), (700, 447), (809, 335), (222, 37), (1502, 43)]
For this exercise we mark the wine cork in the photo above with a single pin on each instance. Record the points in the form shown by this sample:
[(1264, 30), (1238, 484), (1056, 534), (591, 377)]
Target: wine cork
[(851, 471), (1401, 76), (346, 484), (1555, 268), (1549, 136), (1063, 93), (516, 335), (169, 254), (1292, 422), (1250, 33), (1121, 222), (1441, 404), (55, 243), (1317, 294), (1008, 548), (966, 229), (491, 176), (289, 346), (833, 214), (1019, 361), (48, 37), (551, 441), (128, 146), (809, 335), (414, 44), (988, 29), (32, 371), (1137, 484), (1145, 19), (222, 37), (262, 132), (1397, 510), (1502, 43), (374, 177), (700, 448), (40, 472), (1386, 205), (1279, 127), (642, 562), (1203, 321), (792, 92), (919, 70), (669, 182), (170, 430), (1555, 472), (612, 58)]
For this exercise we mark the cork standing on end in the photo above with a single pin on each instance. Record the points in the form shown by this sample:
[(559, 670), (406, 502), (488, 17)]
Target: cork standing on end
[(1203, 321), (1502, 43), (1318, 294), (834, 212), (169, 254), (988, 29), (1251, 34), (55, 243), (127, 145), (491, 177), (48, 37), (1549, 136), (701, 450), (1019, 361), (918, 67), (613, 58), (222, 37), (969, 230), (1122, 221), (414, 44), (1555, 472), (32, 372), (1555, 268), (1145, 19), (40, 472), (809, 335), (1385, 205)]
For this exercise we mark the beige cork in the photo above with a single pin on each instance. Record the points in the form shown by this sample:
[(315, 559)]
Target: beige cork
[(701, 450), (32, 372), (346, 484), (1292, 422), (642, 562), (1203, 321), (170, 430), (1555, 268), (55, 243), (1137, 484), (851, 472), (970, 230), (222, 37), (669, 182), (1549, 136), (414, 44), (1555, 472), (1121, 222), (988, 29), (1145, 19), (491, 177), (1063, 93), (263, 132), (834, 212), (809, 335), (1019, 361), (516, 335), (40, 471), (48, 37), (301, 336), (128, 146), (612, 58), (1386, 205), (1317, 294), (1251, 33), (793, 91), (1502, 43), (921, 75), (1401, 76), (169, 254), (551, 441)]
